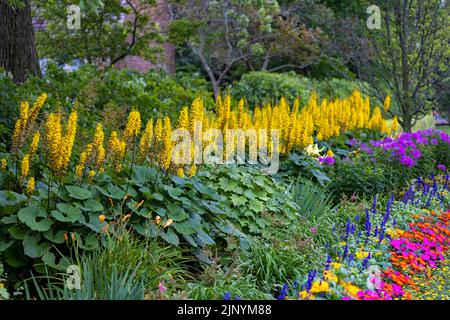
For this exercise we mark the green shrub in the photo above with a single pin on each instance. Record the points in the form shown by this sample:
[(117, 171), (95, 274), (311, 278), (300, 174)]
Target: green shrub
[(253, 201), (261, 87)]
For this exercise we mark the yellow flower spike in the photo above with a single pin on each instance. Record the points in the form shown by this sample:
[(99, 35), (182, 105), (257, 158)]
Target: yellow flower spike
[(146, 139), (183, 118), (30, 186), (3, 164), (67, 141), (37, 106), (167, 144), (192, 170), (180, 172), (53, 133), (97, 146), (91, 176), (133, 126), (25, 166), (34, 144), (158, 130), (394, 125)]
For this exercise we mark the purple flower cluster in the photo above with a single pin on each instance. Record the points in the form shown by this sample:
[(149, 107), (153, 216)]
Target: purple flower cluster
[(327, 160), (406, 147)]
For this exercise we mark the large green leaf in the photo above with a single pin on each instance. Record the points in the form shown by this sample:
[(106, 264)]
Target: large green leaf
[(115, 192), (66, 213), (143, 175), (49, 259), (89, 241), (34, 247), (14, 256), (204, 237), (11, 201), (146, 229), (176, 212), (187, 227), (79, 193), (5, 244), (36, 218), (18, 231), (92, 205), (9, 219), (57, 237), (170, 237)]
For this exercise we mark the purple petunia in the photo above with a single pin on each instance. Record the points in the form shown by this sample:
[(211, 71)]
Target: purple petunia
[(441, 167)]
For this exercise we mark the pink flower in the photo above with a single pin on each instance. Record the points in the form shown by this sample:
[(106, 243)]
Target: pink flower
[(162, 288)]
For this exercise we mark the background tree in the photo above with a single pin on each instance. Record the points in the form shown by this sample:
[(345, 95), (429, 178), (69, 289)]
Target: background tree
[(17, 42), (225, 35), (110, 30), (405, 58)]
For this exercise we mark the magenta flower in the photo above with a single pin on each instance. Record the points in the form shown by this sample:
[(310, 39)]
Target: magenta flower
[(441, 167)]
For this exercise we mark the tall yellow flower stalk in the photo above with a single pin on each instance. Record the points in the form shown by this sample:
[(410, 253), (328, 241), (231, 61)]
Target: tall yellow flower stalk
[(84, 157), (27, 118), (37, 106), (98, 149), (146, 139), (133, 127), (158, 130), (117, 149), (34, 144), (167, 144), (19, 128), (53, 132), (183, 119), (25, 166), (60, 144), (31, 184), (67, 141)]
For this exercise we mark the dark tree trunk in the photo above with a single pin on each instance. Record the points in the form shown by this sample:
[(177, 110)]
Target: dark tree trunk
[(17, 43)]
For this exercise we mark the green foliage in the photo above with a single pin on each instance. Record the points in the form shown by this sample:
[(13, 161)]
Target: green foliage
[(104, 35), (252, 201), (215, 282), (125, 268), (300, 164), (311, 199), (362, 176), (260, 87)]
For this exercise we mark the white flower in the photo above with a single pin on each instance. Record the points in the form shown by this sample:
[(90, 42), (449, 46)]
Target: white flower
[(313, 150)]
